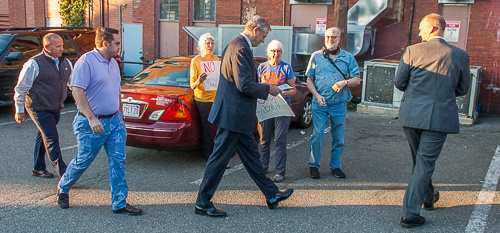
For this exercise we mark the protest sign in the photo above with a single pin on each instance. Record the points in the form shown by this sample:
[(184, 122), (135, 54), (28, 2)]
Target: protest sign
[(212, 69), (274, 106)]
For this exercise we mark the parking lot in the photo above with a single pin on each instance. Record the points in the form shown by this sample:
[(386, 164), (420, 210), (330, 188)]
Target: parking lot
[(165, 183)]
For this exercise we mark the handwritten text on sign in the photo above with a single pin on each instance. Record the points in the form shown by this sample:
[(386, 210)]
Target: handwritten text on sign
[(274, 106), (212, 69)]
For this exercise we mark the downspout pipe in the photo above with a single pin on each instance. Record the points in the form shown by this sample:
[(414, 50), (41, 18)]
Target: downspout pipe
[(411, 21), (121, 27), (284, 11)]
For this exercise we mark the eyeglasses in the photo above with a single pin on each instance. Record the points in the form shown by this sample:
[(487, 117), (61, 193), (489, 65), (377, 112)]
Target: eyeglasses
[(332, 37), (275, 51)]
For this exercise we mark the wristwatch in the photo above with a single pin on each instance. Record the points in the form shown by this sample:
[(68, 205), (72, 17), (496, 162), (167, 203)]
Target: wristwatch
[(346, 82)]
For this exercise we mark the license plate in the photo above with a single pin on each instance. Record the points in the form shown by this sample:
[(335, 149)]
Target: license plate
[(131, 110)]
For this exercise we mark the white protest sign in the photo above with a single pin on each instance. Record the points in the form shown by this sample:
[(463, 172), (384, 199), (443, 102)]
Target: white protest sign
[(212, 69), (274, 106)]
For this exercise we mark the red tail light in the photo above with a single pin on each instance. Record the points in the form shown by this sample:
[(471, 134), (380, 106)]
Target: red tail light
[(176, 112)]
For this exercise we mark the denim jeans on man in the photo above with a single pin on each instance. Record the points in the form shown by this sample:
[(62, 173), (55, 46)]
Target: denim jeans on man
[(337, 114), (89, 144), (47, 141)]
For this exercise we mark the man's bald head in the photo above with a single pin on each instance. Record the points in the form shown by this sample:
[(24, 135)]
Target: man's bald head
[(53, 44), (432, 25)]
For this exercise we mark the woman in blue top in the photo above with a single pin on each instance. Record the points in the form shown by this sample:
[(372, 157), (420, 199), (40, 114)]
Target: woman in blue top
[(277, 72)]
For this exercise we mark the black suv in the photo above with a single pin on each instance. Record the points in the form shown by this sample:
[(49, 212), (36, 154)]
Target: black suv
[(17, 45)]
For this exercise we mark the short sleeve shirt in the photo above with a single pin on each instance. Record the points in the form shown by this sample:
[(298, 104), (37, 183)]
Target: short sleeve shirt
[(276, 75), (100, 79), (325, 75)]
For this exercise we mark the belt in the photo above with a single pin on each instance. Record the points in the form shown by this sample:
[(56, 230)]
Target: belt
[(99, 116)]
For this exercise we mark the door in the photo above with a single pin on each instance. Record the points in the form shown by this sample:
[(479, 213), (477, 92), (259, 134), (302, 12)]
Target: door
[(132, 49)]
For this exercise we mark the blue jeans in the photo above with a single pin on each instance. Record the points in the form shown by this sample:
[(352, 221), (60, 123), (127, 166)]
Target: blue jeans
[(337, 114), (47, 141), (89, 144)]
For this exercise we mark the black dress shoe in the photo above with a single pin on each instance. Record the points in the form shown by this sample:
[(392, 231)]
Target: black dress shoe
[(43, 174), (430, 205), (314, 171), (210, 212), (409, 223), (128, 209), (63, 200), (280, 196)]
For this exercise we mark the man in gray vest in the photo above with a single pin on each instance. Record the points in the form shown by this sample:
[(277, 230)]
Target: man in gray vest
[(42, 88), (431, 74)]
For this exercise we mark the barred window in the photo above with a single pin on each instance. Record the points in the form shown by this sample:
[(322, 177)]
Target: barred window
[(204, 10), (169, 9)]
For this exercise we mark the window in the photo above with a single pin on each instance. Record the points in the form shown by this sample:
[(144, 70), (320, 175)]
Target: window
[(69, 49), (169, 9), (27, 45), (204, 10)]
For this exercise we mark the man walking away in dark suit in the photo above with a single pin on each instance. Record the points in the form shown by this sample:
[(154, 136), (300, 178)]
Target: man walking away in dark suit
[(431, 74), (233, 111)]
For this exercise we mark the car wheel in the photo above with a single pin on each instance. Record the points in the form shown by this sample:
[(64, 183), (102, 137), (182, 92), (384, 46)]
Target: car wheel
[(305, 118)]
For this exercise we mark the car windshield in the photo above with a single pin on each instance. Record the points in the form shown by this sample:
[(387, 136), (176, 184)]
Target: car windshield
[(4, 40), (165, 77)]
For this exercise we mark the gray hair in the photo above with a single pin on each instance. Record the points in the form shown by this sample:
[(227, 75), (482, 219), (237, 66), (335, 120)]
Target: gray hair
[(274, 44), (203, 38), (257, 22)]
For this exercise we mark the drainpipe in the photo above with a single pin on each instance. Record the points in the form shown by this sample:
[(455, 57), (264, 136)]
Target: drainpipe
[(284, 11), (100, 13), (411, 21), (121, 28)]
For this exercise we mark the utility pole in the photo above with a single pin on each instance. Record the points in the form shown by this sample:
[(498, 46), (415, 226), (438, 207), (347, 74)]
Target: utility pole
[(340, 20)]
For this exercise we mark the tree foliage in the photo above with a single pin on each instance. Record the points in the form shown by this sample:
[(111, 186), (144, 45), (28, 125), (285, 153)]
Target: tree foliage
[(73, 11)]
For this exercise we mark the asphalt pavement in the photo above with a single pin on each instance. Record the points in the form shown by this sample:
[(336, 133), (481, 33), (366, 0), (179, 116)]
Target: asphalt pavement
[(164, 184)]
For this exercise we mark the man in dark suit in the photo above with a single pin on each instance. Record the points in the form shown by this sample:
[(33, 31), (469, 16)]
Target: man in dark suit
[(431, 74), (233, 111)]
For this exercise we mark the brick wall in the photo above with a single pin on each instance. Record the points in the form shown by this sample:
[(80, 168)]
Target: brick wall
[(4, 10), (53, 10), (228, 12), (30, 13), (483, 46), (272, 11), (184, 21), (39, 13), (422, 8), (17, 12), (144, 12)]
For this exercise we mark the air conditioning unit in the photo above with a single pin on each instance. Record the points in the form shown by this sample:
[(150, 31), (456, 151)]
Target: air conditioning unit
[(380, 97), (310, 2), (456, 1)]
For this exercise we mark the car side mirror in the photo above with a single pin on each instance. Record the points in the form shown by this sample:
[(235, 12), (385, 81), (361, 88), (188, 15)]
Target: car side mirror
[(14, 56)]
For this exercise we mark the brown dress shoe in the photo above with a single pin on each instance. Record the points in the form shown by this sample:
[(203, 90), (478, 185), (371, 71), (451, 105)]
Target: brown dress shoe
[(43, 174), (430, 205), (128, 209)]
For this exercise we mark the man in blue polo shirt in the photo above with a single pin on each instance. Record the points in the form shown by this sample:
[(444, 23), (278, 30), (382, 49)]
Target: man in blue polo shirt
[(96, 90), (330, 74)]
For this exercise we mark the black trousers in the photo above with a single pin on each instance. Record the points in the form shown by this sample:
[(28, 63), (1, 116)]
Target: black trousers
[(425, 147), (206, 127), (225, 143)]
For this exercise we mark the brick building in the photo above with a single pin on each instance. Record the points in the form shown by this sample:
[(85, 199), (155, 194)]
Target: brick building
[(160, 25)]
